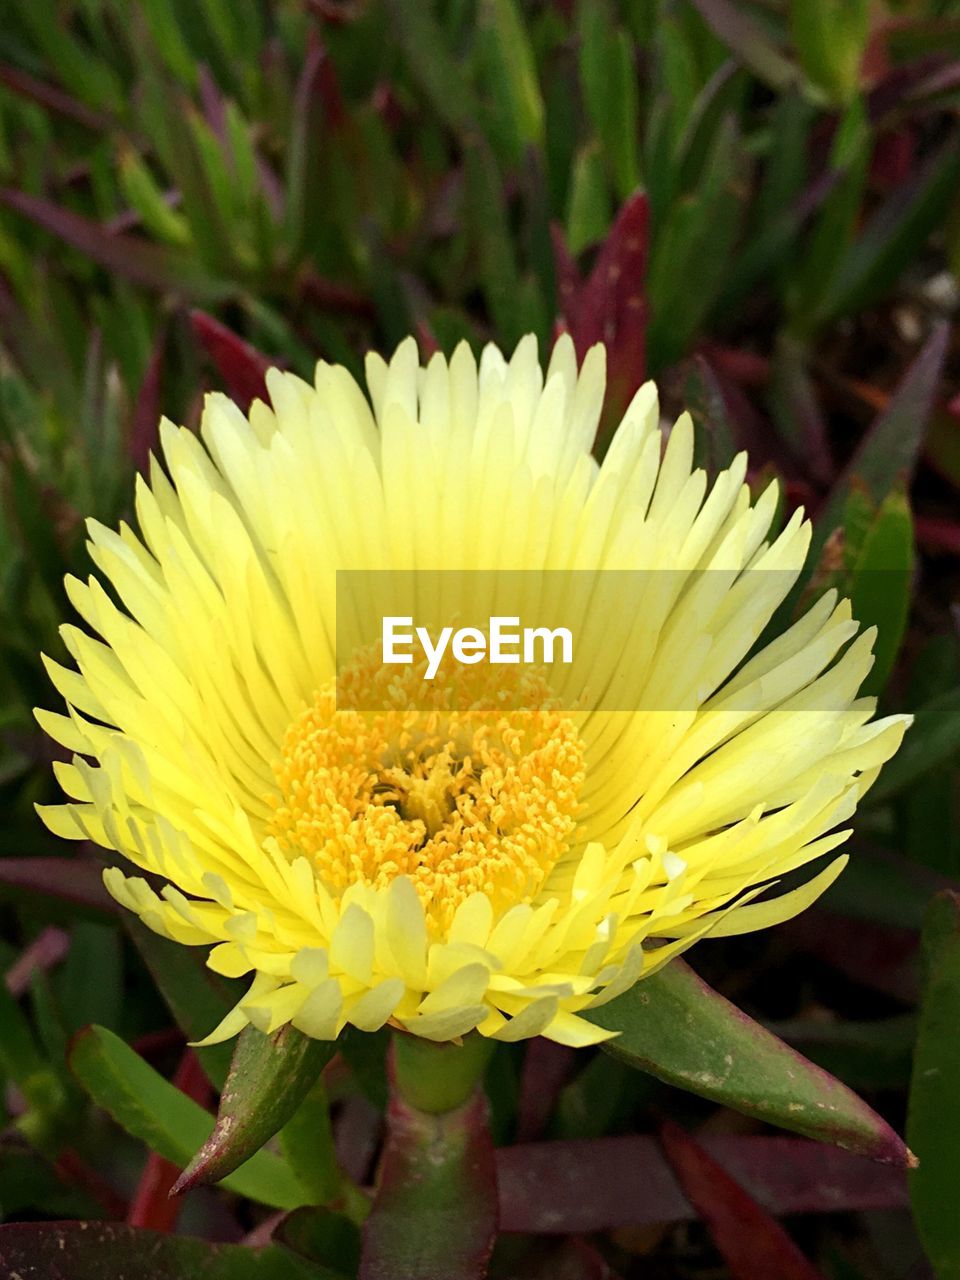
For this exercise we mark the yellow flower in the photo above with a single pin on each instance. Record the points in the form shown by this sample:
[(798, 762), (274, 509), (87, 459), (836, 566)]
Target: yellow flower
[(476, 867)]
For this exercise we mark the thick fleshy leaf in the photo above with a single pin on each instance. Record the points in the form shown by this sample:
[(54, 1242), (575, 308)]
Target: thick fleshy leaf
[(269, 1077), (797, 411), (546, 1068), (112, 1251), (47, 949), (611, 306), (316, 109), (75, 881), (132, 258), (601, 1184), (608, 77), (934, 1114), (515, 112), (887, 454), (753, 1244), (51, 97), (873, 954), (169, 1122), (321, 1236), (435, 1212), (680, 1030), (306, 1141), (750, 44), (152, 1205), (433, 65), (880, 583), (896, 233), (241, 366)]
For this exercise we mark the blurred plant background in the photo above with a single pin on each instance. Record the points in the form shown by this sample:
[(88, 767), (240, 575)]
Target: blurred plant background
[(755, 203)]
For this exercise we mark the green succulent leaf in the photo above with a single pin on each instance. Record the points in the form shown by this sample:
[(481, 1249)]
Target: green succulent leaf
[(150, 1108), (270, 1076), (934, 1112), (677, 1028), (112, 1251)]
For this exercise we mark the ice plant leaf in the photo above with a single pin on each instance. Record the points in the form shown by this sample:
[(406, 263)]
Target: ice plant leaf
[(895, 233), (169, 1122), (270, 1076), (680, 1030), (74, 881), (887, 454), (435, 1212), (750, 44), (753, 1244), (601, 1184), (611, 307), (132, 258), (934, 1113), (880, 586), (106, 1250), (241, 366)]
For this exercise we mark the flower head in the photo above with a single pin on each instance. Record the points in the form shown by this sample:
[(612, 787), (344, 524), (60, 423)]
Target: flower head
[(484, 861)]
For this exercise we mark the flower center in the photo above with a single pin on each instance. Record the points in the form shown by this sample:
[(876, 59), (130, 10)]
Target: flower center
[(461, 794)]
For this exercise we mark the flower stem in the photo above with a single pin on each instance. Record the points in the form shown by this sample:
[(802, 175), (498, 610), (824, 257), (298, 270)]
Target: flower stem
[(438, 1077)]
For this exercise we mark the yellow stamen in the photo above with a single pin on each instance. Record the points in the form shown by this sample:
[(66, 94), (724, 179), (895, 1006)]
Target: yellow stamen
[(456, 792)]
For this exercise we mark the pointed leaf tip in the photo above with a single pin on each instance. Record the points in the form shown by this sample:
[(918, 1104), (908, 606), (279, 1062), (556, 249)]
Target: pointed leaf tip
[(241, 366), (677, 1028), (269, 1077)]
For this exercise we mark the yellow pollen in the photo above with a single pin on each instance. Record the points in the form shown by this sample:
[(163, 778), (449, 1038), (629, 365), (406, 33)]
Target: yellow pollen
[(482, 798)]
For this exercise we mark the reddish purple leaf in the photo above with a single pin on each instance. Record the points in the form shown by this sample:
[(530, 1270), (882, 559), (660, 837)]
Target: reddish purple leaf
[(611, 307), (356, 1134), (435, 1213), (152, 1204), (753, 1244), (73, 880), (875, 955), (569, 280), (51, 97), (131, 258), (241, 366), (337, 12), (214, 106), (48, 948), (74, 1171), (546, 1068), (601, 1184), (910, 82), (936, 533), (893, 159)]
